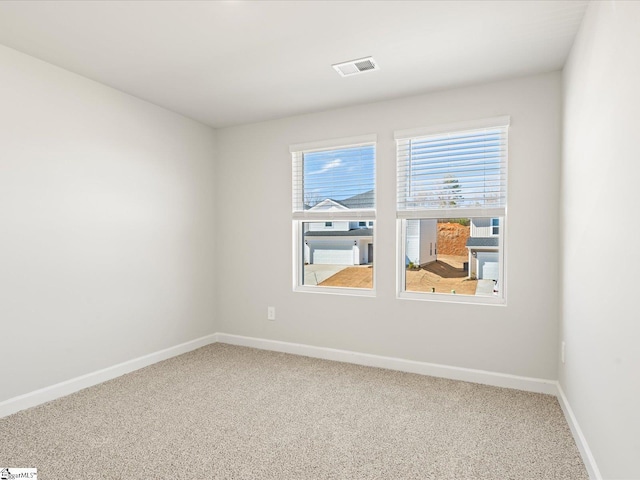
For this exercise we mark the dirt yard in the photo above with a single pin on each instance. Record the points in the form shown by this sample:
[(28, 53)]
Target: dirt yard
[(354, 277), (444, 275)]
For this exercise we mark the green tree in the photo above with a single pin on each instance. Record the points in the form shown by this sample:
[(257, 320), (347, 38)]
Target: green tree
[(452, 196)]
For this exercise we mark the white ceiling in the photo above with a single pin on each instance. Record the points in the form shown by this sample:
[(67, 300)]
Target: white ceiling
[(235, 62)]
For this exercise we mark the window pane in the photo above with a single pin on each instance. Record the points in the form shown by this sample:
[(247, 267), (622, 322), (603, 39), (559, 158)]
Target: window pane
[(339, 179), (495, 226), (456, 256), (453, 171), (340, 256)]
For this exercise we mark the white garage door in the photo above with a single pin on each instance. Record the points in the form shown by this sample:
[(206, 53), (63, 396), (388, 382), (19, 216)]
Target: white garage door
[(488, 266), (332, 254)]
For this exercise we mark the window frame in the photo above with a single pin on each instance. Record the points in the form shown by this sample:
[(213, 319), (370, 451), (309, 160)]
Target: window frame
[(299, 218), (403, 294), (298, 268), (401, 230)]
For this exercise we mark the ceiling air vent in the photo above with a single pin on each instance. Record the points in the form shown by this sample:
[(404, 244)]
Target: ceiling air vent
[(353, 67)]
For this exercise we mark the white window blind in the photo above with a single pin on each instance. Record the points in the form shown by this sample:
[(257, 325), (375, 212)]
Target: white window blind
[(334, 182), (453, 174)]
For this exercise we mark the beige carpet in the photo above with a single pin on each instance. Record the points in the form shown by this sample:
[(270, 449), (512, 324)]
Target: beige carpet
[(228, 412)]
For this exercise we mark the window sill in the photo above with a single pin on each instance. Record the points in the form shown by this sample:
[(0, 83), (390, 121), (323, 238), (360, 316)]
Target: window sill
[(353, 292), (452, 298)]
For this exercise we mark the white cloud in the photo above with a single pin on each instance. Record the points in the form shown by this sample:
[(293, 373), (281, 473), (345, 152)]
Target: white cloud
[(330, 164)]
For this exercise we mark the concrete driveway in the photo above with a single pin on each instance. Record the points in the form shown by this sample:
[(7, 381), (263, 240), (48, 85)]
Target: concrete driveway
[(315, 274)]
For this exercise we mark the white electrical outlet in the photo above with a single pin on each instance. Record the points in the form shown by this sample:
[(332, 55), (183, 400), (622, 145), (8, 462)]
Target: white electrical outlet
[(562, 351), (271, 313)]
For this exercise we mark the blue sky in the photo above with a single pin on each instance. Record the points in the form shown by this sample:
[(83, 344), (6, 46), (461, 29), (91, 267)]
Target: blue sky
[(338, 174)]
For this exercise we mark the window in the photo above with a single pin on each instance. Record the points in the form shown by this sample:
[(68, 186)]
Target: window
[(452, 193), (495, 226), (333, 216)]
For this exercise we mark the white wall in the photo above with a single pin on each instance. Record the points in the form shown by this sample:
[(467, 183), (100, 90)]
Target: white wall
[(322, 226), (254, 176), (482, 227), (106, 226), (428, 240), (601, 185), (412, 241), (420, 233)]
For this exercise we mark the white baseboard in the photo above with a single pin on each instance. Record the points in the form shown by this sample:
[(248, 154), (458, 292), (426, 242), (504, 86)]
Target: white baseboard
[(581, 441), (551, 387), (67, 387), (528, 384)]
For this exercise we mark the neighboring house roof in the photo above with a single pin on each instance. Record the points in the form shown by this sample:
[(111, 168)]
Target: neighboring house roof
[(327, 204), (482, 242), (361, 200), (354, 232)]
